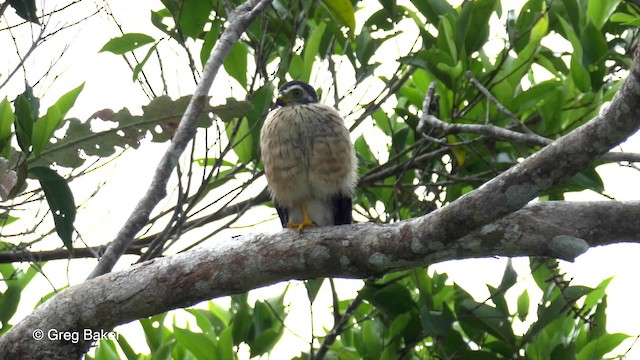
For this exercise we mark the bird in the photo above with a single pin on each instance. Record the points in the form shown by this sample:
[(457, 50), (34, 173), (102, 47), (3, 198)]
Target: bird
[(309, 160)]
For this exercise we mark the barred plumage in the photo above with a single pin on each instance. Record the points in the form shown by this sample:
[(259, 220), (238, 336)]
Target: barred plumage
[(309, 160)]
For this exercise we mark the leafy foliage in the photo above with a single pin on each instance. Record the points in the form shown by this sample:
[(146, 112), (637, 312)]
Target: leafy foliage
[(15, 280), (219, 331), (61, 202)]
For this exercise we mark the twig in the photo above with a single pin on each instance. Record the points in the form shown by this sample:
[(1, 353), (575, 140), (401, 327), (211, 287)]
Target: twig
[(505, 134), (498, 104), (426, 105), (239, 20), (338, 328)]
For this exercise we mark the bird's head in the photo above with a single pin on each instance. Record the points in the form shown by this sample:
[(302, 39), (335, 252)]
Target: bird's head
[(296, 93)]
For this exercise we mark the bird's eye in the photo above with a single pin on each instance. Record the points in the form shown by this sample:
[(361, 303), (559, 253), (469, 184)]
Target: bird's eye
[(296, 93)]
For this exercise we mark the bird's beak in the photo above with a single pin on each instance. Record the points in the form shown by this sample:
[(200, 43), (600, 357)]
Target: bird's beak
[(281, 100)]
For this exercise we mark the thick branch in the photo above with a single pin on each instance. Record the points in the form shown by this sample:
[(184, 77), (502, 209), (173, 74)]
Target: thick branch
[(239, 20), (555, 229)]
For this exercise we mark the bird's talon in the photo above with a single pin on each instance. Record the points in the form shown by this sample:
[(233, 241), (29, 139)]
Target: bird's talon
[(301, 226)]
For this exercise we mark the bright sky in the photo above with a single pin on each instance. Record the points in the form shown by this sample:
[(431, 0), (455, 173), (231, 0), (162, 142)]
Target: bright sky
[(109, 85)]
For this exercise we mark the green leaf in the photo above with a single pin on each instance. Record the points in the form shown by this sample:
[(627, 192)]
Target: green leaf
[(434, 9), (210, 39), (6, 118), (244, 144), (574, 12), (473, 24), (532, 96), (128, 351), (552, 312), (43, 128), (392, 299), (242, 320), (296, 66), (625, 19), (509, 277), (9, 301), (597, 294), (523, 305), (541, 271), (236, 63), (600, 11), (212, 161), (447, 36), (486, 318), (597, 348), (313, 286), (197, 343), (437, 323), (264, 342), (232, 109), (49, 296), (26, 9), (153, 331), (263, 318), (594, 45), (247, 137), (343, 12), (193, 15), (157, 19), (580, 75), (399, 324), (220, 313), (599, 326), (66, 101), (26, 112), (16, 281), (138, 68), (61, 202), (127, 42), (205, 321), (371, 339), (224, 350), (106, 350), (166, 113), (310, 51)]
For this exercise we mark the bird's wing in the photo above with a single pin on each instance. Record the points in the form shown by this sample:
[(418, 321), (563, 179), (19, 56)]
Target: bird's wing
[(283, 214), (342, 209)]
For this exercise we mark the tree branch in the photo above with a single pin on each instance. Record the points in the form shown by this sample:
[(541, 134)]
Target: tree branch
[(528, 138), (555, 229), (21, 254), (239, 20), (497, 132)]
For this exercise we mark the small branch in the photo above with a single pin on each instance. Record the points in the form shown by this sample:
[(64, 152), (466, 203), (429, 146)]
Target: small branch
[(497, 132), (239, 20), (338, 328), (7, 257), (426, 106), (3, 7)]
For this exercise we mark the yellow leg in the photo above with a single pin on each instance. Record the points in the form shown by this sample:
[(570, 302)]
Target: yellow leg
[(306, 221)]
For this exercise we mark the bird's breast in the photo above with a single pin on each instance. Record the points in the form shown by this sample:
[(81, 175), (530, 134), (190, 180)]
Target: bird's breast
[(307, 153)]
